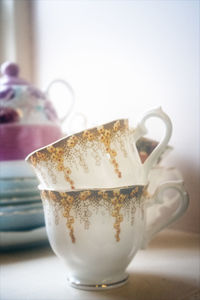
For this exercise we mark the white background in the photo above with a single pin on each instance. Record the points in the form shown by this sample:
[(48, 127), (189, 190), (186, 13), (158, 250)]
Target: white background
[(123, 58)]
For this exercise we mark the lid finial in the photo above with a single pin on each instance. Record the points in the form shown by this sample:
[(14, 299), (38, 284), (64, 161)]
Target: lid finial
[(10, 69), (10, 72)]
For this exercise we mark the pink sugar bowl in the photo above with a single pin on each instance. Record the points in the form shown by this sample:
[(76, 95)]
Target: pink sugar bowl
[(28, 120)]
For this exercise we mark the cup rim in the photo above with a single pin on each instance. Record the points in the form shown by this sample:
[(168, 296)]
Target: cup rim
[(105, 189), (102, 189)]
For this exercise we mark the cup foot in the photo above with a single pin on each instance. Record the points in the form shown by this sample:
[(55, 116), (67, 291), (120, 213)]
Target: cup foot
[(99, 287)]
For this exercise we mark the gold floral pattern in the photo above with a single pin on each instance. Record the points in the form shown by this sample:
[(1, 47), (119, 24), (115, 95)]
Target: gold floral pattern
[(88, 135), (39, 156), (116, 125), (67, 202), (70, 151), (57, 156), (105, 138), (84, 195), (115, 201), (72, 141)]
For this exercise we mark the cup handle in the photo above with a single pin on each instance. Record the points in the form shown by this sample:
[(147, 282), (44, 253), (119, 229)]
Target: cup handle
[(158, 198), (142, 130), (71, 91)]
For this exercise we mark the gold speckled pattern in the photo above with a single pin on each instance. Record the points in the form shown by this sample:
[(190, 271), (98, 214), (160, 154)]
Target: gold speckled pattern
[(70, 150), (84, 203)]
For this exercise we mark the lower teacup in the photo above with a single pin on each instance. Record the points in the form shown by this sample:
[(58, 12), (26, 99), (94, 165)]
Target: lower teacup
[(97, 232)]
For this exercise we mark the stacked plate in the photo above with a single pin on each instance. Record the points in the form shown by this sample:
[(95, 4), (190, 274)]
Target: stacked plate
[(21, 212)]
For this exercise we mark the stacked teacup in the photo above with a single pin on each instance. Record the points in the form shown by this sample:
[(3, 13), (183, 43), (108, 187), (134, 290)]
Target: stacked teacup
[(95, 187)]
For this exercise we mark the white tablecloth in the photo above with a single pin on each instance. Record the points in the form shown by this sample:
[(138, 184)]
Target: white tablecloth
[(169, 269)]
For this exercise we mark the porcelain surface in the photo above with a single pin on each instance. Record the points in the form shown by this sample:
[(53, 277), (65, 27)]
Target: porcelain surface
[(169, 203), (97, 232), (104, 156)]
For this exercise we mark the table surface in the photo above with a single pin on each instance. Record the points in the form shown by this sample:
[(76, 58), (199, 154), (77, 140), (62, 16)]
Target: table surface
[(169, 269)]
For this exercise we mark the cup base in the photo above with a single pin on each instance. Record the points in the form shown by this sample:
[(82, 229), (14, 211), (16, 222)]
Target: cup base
[(98, 287)]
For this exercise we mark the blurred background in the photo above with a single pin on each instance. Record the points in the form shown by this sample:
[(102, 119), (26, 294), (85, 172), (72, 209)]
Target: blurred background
[(122, 58)]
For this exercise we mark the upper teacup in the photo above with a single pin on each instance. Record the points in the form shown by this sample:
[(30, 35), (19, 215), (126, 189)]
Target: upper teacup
[(145, 147), (104, 156)]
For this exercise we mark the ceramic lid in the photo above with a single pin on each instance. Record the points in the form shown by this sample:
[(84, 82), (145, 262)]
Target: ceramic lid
[(10, 77), (10, 72), (20, 101)]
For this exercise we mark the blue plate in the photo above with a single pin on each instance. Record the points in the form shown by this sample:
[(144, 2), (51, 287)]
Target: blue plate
[(22, 220), (20, 200), (19, 192), (12, 240), (20, 207), (9, 184)]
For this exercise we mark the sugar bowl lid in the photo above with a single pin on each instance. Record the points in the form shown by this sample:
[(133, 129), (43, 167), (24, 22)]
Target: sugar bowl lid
[(19, 97), (10, 72), (10, 77), (16, 92)]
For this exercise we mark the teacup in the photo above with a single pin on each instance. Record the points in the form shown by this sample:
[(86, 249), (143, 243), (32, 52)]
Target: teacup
[(170, 201), (145, 147), (97, 232), (104, 156)]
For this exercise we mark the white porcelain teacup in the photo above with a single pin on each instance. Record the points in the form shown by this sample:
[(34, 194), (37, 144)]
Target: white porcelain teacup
[(145, 147), (169, 203), (104, 156), (97, 232)]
